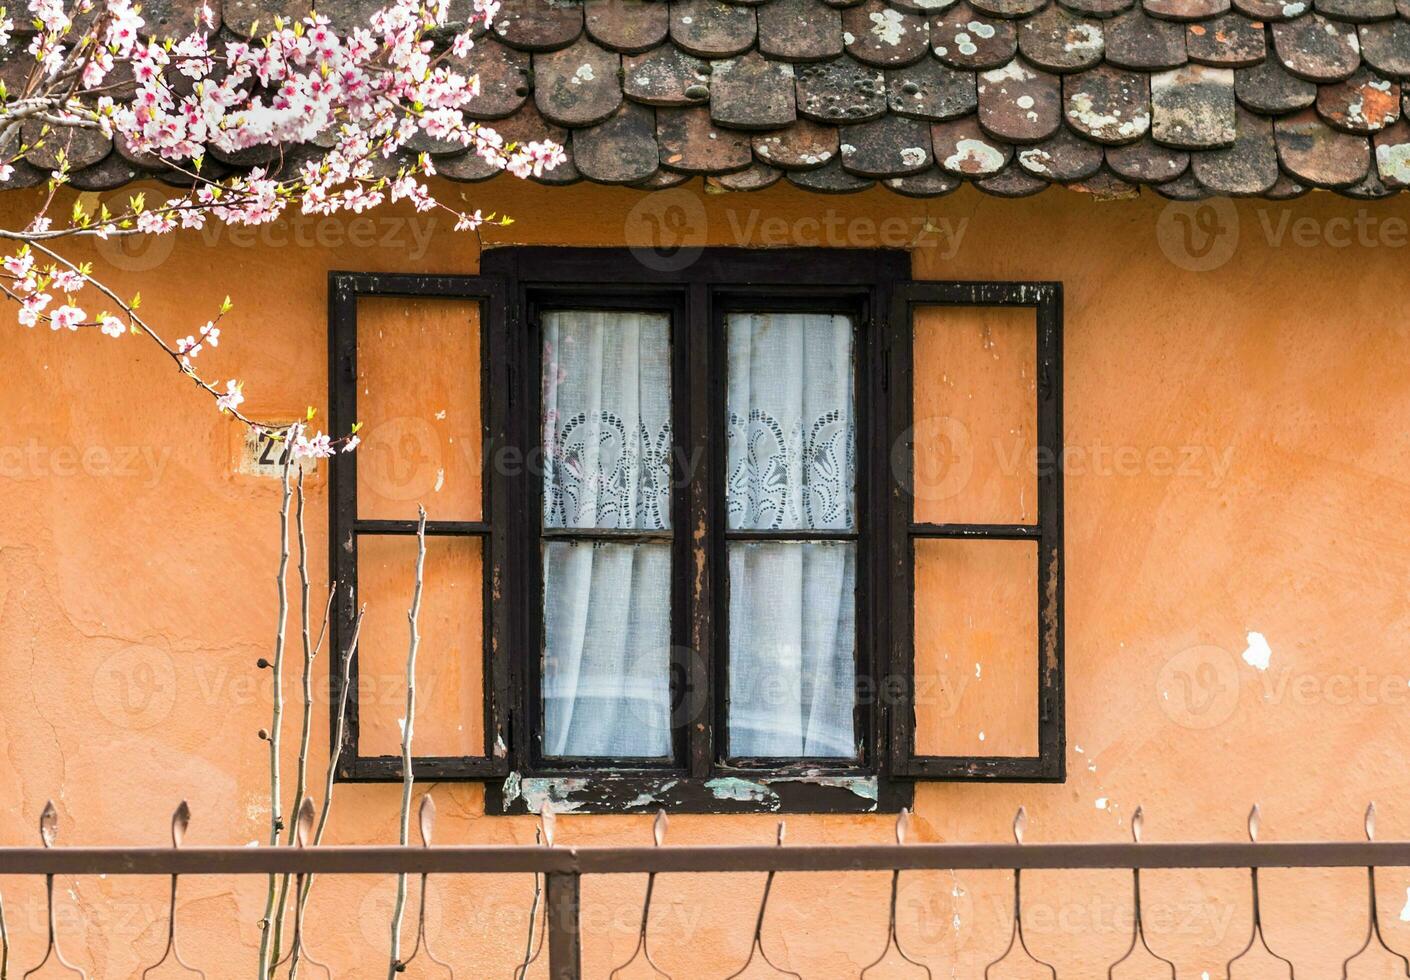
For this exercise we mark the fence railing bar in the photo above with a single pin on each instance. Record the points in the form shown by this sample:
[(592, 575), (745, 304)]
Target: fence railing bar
[(500, 859)]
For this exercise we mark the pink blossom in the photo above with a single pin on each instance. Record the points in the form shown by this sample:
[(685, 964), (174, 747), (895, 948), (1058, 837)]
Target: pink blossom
[(233, 397), (111, 325), (66, 316)]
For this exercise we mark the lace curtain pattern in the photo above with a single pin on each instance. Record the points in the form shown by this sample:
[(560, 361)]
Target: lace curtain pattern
[(607, 608), (791, 466)]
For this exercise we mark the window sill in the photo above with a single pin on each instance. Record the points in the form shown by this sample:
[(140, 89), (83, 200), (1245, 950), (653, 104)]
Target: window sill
[(801, 790)]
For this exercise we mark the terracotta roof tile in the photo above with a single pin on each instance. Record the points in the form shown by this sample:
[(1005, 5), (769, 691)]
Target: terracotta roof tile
[(800, 30), (690, 142), (752, 92), (1314, 153), (1060, 41), (840, 91), (755, 177), (1108, 105), (1147, 162), (1019, 104), (1063, 157), (1138, 41), (931, 90), (534, 25), (829, 179), (666, 76), (891, 146), (1317, 49), (621, 150), (712, 29), (930, 183), (1364, 103), (1193, 107), (876, 33), (1103, 96), (1231, 41), (962, 148), (965, 38), (627, 26), (1247, 168), (578, 85), (804, 145), (1385, 46)]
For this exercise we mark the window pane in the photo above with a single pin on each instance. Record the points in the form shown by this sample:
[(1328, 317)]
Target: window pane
[(792, 441), (976, 406), (418, 397), (450, 707), (976, 655), (607, 654), (792, 667), (606, 419)]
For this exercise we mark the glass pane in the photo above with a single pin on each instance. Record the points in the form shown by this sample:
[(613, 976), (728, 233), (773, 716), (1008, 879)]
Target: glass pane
[(607, 649), (792, 660), (418, 397), (976, 406), (792, 440), (450, 712), (976, 647), (606, 419)]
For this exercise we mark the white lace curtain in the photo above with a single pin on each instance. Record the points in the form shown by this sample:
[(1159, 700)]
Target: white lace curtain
[(791, 467), (607, 605)]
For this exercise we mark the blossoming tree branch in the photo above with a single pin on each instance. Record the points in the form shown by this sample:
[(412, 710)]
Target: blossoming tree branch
[(363, 96)]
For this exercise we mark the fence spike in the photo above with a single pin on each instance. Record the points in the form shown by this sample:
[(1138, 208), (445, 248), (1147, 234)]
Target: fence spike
[(48, 824), (426, 819), (1138, 820), (1371, 821), (1253, 824), (547, 820), (180, 820), (303, 829), (782, 832), (1020, 824), (658, 827), (903, 825)]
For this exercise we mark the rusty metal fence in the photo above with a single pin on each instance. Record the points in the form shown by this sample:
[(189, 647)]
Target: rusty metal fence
[(559, 870)]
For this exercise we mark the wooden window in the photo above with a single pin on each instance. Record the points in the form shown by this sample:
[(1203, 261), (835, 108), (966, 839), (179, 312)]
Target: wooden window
[(694, 534)]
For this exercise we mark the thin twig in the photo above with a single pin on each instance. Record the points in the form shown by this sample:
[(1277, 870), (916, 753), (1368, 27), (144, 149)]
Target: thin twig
[(413, 617), (276, 822)]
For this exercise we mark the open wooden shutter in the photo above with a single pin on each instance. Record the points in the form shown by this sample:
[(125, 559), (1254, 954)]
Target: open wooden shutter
[(428, 343), (971, 544)]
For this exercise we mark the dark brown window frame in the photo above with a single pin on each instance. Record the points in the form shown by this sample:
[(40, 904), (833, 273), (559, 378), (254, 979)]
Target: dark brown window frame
[(872, 285)]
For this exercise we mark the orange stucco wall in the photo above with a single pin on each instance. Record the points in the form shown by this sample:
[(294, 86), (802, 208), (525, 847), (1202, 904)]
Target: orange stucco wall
[(1238, 461)]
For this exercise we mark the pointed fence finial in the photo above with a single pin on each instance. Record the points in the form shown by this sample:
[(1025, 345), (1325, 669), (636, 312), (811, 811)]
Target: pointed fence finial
[(903, 825), (1138, 820), (426, 819), (180, 820), (1371, 821), (782, 832), (48, 824), (303, 827), (1253, 822), (1020, 824), (658, 827), (546, 821)]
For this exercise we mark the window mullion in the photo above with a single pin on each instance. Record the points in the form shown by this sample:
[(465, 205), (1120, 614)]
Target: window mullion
[(699, 353)]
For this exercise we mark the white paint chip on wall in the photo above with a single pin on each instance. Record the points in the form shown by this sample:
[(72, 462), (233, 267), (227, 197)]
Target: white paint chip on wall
[(1258, 653)]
